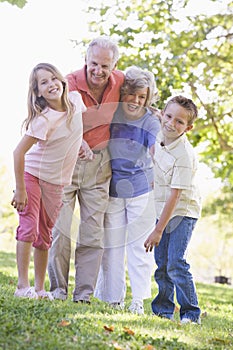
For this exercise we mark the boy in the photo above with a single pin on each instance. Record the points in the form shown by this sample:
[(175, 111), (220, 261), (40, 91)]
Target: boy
[(178, 207)]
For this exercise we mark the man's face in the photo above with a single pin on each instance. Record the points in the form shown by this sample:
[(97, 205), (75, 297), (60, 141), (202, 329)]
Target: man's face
[(100, 65)]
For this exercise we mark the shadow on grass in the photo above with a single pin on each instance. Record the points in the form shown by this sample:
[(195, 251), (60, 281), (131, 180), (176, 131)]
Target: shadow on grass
[(7, 260), (215, 292), (7, 280)]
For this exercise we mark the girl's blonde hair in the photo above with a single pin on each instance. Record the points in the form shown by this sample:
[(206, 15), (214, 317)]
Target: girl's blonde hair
[(136, 79), (36, 104)]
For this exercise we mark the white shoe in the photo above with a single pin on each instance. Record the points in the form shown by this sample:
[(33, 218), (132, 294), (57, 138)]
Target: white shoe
[(186, 320), (28, 292), (117, 306), (42, 294), (136, 307), (59, 293)]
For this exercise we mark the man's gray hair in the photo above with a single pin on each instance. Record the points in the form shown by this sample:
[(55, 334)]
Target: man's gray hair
[(105, 42)]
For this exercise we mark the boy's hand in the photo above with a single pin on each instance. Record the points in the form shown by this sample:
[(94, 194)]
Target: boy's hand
[(152, 240)]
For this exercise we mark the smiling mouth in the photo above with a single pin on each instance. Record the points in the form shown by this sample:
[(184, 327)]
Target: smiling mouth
[(98, 76), (53, 90), (169, 129), (132, 107)]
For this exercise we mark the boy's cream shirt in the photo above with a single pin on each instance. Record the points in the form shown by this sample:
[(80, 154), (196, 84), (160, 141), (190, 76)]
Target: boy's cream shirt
[(175, 167)]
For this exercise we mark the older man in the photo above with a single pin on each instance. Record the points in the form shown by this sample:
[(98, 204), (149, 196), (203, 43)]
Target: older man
[(99, 84)]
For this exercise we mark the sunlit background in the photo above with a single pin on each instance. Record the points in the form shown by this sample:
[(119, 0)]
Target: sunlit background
[(43, 31)]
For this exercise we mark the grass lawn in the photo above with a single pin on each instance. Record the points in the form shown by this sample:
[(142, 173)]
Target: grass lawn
[(42, 324)]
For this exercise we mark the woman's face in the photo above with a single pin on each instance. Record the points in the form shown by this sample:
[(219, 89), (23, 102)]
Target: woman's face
[(133, 104)]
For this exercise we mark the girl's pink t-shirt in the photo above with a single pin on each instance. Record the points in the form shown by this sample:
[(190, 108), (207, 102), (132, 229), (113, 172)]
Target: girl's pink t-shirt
[(52, 158)]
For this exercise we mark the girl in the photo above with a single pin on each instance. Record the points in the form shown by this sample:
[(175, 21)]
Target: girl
[(44, 161)]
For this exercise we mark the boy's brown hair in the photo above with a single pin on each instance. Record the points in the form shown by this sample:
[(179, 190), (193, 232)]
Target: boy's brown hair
[(187, 104)]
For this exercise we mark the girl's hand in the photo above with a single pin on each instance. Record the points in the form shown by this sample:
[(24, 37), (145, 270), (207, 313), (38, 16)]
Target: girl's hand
[(19, 200), (85, 153)]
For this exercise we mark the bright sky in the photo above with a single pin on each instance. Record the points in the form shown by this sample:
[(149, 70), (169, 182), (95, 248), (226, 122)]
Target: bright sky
[(40, 32)]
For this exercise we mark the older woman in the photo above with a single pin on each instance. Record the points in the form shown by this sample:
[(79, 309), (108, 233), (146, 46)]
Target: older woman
[(131, 212)]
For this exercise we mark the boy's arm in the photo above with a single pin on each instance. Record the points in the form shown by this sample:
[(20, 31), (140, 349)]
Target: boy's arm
[(152, 152), (155, 237)]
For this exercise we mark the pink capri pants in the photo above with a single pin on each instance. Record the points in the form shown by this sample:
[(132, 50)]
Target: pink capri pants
[(40, 214)]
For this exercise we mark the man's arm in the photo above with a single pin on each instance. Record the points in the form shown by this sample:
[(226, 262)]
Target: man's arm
[(155, 237)]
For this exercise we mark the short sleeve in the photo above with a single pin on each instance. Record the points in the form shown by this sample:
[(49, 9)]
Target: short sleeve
[(76, 98), (38, 128)]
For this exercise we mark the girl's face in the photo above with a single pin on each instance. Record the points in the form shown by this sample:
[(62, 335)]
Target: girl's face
[(174, 122), (49, 86), (133, 104)]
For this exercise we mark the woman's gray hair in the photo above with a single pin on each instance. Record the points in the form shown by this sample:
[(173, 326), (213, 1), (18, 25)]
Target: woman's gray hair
[(136, 79), (105, 42)]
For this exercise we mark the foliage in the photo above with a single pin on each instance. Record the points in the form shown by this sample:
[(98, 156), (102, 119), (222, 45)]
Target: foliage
[(222, 204), (38, 324), (210, 252), (218, 209), (8, 218), (19, 3), (190, 54)]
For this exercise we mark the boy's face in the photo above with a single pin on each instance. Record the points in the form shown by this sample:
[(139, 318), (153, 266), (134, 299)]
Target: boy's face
[(174, 122)]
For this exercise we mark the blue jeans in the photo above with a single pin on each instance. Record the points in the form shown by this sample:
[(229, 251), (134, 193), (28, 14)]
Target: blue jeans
[(172, 272)]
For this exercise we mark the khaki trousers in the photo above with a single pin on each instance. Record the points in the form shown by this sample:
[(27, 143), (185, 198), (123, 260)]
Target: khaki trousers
[(90, 185)]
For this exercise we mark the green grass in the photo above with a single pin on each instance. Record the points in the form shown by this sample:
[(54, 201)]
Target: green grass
[(41, 324)]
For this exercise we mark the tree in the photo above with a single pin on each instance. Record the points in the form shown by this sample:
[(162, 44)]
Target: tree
[(192, 54), (19, 3), (8, 216)]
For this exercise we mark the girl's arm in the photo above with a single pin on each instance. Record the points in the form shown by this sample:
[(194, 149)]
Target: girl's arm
[(155, 237), (19, 200)]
